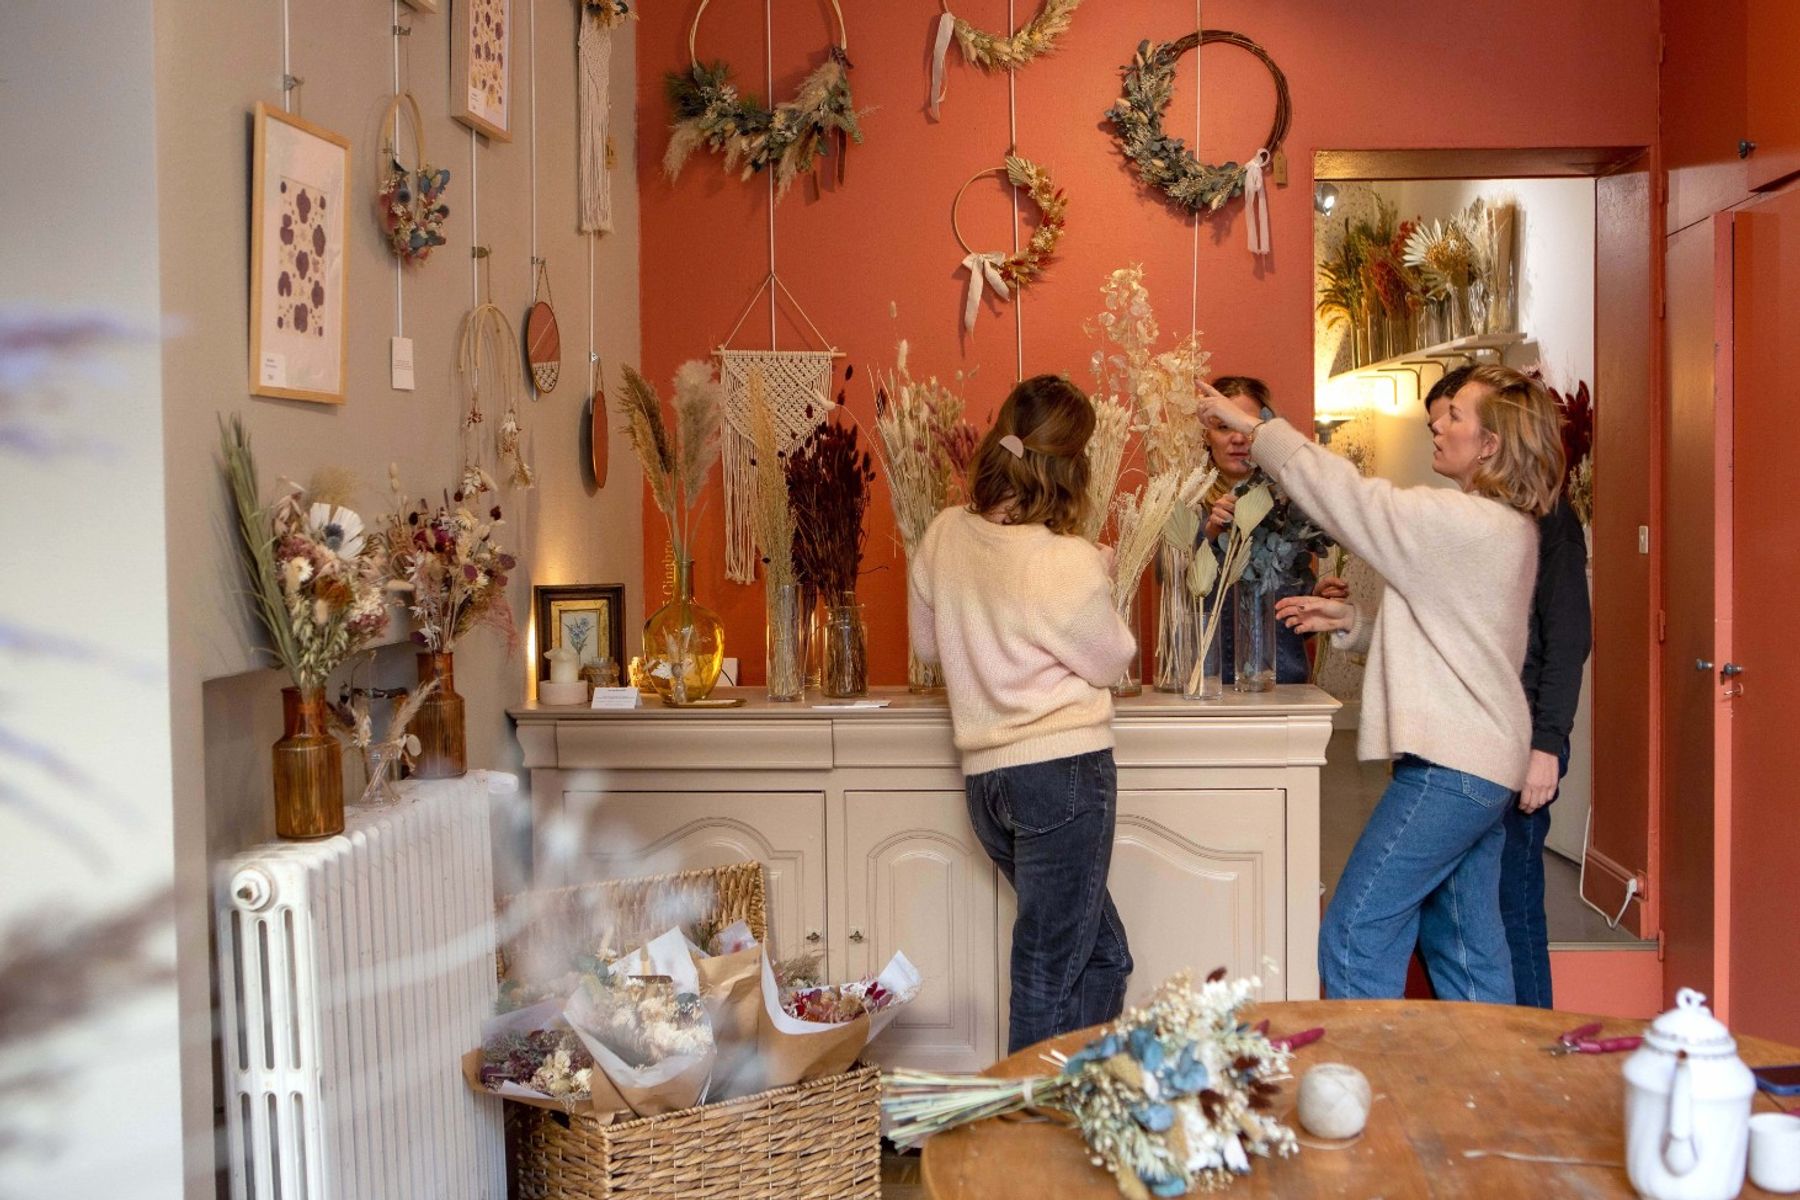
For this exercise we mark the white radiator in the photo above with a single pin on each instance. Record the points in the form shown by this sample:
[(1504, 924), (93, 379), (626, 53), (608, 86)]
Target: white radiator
[(353, 974)]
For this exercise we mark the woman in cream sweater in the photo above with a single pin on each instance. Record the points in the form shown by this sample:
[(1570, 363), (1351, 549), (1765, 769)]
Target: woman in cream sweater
[(1017, 607), (1441, 694)]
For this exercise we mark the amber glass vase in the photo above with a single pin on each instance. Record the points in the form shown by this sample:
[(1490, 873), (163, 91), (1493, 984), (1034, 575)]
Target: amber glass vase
[(443, 746), (684, 644), (309, 769)]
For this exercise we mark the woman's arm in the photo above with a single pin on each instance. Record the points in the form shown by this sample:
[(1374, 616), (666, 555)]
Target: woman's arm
[(1563, 615), (1080, 626), (921, 621)]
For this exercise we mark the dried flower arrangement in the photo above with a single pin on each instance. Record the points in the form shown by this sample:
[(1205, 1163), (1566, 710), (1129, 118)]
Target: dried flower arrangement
[(1020, 269), (1106, 459), (924, 446), (677, 457), (790, 139), (828, 480), (395, 748), (1577, 409), (1159, 389), (643, 1019), (1213, 576), (451, 566), (550, 1061), (1173, 1096), (1008, 52), (317, 581)]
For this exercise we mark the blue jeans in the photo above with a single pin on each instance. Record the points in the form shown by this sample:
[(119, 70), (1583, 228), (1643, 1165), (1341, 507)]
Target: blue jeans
[(1049, 828), (1522, 900), (1425, 872)]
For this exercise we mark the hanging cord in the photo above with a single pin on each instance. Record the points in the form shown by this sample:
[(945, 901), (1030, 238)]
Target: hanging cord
[(531, 72), (1012, 132), (419, 151), (289, 84), (1194, 294)]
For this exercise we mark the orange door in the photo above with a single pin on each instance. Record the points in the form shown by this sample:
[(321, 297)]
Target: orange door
[(1691, 510), (1772, 118), (1762, 820)]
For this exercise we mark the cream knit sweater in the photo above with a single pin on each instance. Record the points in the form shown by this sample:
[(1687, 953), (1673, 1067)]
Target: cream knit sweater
[(1023, 623), (1448, 641)]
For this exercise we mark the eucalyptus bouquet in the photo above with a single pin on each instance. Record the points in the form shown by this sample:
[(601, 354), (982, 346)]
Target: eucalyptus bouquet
[(318, 581), (1283, 544), (1173, 1096)]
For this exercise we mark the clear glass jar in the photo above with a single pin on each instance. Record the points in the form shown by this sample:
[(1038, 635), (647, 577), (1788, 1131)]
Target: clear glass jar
[(1131, 681), (1176, 630), (846, 665), (1208, 682), (784, 640), (1253, 638)]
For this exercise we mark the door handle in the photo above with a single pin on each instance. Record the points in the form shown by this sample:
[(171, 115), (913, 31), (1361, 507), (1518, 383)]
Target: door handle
[(814, 936), (1730, 669), (856, 935), (1703, 664)]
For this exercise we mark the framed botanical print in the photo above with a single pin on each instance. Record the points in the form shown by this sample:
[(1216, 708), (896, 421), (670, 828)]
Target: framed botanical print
[(481, 66), (588, 618), (299, 336)]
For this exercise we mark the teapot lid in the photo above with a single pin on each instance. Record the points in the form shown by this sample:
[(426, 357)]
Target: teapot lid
[(1690, 1026)]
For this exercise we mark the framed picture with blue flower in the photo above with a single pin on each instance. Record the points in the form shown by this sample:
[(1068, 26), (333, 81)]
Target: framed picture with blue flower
[(299, 337), (588, 618)]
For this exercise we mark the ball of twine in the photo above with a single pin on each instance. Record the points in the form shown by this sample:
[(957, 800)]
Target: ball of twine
[(1334, 1101)]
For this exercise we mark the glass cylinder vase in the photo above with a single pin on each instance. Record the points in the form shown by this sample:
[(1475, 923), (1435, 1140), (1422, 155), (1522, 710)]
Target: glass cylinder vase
[(1253, 638), (922, 678), (1131, 680), (684, 644), (309, 769), (439, 721), (846, 667), (784, 641), (1208, 682), (1175, 628)]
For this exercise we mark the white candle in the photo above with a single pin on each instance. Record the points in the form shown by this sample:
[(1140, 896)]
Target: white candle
[(565, 665)]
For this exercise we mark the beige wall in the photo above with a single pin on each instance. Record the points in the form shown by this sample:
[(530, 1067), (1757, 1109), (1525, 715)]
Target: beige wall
[(213, 63)]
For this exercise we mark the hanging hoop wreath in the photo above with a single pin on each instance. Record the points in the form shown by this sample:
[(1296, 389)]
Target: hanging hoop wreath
[(991, 52), (411, 202), (1165, 162), (1007, 273), (790, 139)]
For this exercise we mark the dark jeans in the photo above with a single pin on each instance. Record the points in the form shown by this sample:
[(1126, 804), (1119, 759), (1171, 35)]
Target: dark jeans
[(1049, 828), (1522, 900), (1425, 872)]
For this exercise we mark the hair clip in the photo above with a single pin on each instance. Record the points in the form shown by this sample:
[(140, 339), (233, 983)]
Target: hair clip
[(1014, 445)]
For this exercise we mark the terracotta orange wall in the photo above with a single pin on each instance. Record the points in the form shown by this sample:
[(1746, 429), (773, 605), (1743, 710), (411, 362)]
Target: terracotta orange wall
[(1405, 73)]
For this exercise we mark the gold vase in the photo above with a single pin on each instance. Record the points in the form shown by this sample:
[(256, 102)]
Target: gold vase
[(684, 644), (439, 724), (309, 769)]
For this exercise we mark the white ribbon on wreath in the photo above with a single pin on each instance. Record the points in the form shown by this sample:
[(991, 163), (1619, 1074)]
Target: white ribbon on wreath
[(1256, 203), (984, 269)]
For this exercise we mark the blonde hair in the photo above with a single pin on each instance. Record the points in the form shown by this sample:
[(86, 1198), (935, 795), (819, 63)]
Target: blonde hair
[(1526, 472), (1047, 483)]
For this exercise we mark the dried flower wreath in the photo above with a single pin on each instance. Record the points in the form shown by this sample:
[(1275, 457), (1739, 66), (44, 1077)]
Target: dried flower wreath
[(410, 202), (992, 52), (1166, 162), (1006, 273), (791, 138)]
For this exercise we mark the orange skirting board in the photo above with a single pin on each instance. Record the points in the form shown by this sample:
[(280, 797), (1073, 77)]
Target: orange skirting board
[(1608, 983)]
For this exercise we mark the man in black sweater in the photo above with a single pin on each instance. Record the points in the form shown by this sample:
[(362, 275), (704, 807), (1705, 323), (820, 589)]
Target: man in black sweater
[(1561, 635)]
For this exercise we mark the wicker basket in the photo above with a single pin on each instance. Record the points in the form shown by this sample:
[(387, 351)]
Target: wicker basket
[(819, 1140), (631, 911)]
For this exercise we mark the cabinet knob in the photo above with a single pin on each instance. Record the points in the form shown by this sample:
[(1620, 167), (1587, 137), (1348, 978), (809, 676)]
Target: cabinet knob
[(856, 935), (1746, 147), (813, 935), (1703, 664), (1730, 669)]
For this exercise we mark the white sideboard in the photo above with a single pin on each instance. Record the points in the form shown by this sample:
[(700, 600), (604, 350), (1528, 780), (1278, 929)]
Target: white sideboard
[(859, 819)]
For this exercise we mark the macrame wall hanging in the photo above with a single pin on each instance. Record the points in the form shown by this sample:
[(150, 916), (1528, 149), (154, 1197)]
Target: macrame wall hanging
[(997, 52), (593, 64), (1007, 273), (488, 363), (410, 201), (797, 389)]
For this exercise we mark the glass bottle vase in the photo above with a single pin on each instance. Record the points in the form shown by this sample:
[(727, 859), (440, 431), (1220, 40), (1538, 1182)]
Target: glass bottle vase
[(785, 642), (684, 644), (439, 722), (1253, 638), (1176, 646), (1208, 682), (309, 769), (846, 666), (1131, 680)]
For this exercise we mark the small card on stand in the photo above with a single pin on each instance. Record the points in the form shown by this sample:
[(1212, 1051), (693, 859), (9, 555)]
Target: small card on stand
[(615, 697)]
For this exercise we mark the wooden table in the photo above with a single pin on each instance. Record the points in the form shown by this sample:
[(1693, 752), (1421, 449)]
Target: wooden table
[(1446, 1077)]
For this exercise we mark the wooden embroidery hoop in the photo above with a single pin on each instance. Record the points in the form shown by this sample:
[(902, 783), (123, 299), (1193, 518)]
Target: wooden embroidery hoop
[(426, 208)]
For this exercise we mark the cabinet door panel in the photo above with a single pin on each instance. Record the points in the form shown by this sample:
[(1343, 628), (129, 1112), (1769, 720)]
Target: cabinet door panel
[(626, 834), (916, 880), (1197, 877)]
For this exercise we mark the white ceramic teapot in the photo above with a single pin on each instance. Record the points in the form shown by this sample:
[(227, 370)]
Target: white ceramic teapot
[(1687, 1107)]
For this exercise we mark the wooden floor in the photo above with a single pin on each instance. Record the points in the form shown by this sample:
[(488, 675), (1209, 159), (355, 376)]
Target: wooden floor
[(900, 1177)]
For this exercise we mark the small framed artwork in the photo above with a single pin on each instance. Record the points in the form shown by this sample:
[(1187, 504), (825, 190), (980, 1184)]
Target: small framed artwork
[(298, 226), (589, 618), (428, 6), (481, 66)]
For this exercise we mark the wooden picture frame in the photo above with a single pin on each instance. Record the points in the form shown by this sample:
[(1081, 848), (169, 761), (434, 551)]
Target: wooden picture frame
[(481, 65), (299, 233), (561, 608), (424, 6)]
